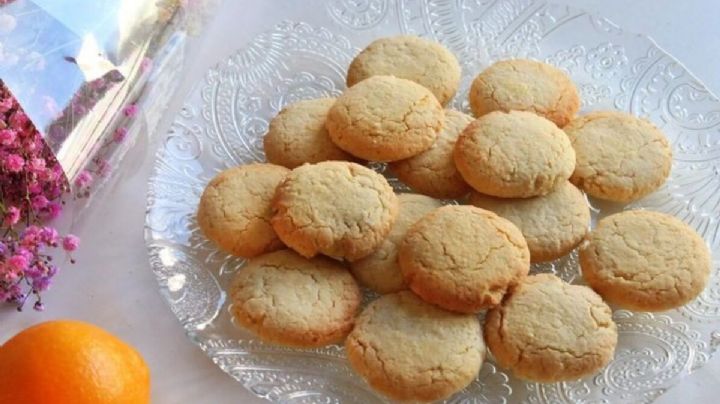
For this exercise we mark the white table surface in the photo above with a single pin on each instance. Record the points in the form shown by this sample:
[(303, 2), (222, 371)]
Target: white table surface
[(112, 284)]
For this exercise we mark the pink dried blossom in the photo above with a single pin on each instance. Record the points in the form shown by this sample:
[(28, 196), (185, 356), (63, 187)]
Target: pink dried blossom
[(39, 202), (19, 262), (12, 216), (53, 210), (14, 163), (131, 110), (120, 134), (70, 243), (84, 179), (7, 137)]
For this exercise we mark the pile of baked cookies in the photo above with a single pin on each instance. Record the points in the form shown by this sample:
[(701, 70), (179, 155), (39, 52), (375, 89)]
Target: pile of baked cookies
[(523, 165)]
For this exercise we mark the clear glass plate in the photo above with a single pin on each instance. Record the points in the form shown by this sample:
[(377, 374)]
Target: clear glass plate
[(224, 119)]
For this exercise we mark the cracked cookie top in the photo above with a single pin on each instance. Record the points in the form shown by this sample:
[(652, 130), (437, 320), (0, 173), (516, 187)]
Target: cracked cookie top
[(379, 271), (385, 118), (433, 171), (643, 260), (525, 85), (336, 208), (463, 258), (514, 154), (411, 350), (290, 300), (235, 209), (425, 62), (297, 135), (552, 224), (547, 330), (620, 157)]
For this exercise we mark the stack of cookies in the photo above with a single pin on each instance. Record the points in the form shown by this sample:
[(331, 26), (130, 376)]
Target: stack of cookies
[(316, 223)]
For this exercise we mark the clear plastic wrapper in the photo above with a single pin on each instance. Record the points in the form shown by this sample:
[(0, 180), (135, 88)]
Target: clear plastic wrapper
[(93, 75)]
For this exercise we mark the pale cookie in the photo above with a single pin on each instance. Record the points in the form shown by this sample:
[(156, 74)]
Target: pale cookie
[(385, 118), (433, 171), (289, 300), (552, 224), (297, 135), (379, 271), (525, 85), (413, 351), (425, 62), (235, 209), (463, 258), (646, 261), (620, 157), (336, 208), (549, 331), (514, 155)]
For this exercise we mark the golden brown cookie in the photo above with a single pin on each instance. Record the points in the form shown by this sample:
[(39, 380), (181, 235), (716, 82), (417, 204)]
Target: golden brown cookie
[(289, 300), (548, 331), (642, 260), (552, 224), (463, 258), (384, 118), (620, 157), (297, 135), (235, 209), (336, 208), (433, 171), (411, 350), (514, 154), (525, 85), (425, 62), (379, 271)]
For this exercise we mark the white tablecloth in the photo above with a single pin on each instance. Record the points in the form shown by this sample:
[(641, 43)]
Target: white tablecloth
[(112, 285)]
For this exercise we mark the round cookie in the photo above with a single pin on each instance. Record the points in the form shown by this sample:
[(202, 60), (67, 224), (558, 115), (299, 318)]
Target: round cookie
[(336, 208), (433, 171), (425, 62), (552, 224), (620, 157), (548, 331), (384, 118), (379, 271), (463, 258), (297, 135), (514, 154), (235, 209), (289, 300), (525, 85), (645, 261), (412, 350)]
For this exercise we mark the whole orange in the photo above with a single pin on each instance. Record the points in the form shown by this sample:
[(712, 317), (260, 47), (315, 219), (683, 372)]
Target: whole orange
[(63, 362)]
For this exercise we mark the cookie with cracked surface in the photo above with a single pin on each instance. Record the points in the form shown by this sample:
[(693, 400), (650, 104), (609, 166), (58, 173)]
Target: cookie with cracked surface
[(384, 118), (408, 57), (289, 300), (379, 271), (433, 171), (235, 209), (552, 224), (548, 331), (620, 157), (646, 261), (297, 135), (336, 208), (514, 154), (411, 350), (525, 85), (463, 258)]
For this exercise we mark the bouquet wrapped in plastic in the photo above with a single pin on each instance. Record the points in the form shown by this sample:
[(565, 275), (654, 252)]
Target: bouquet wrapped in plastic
[(79, 81)]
